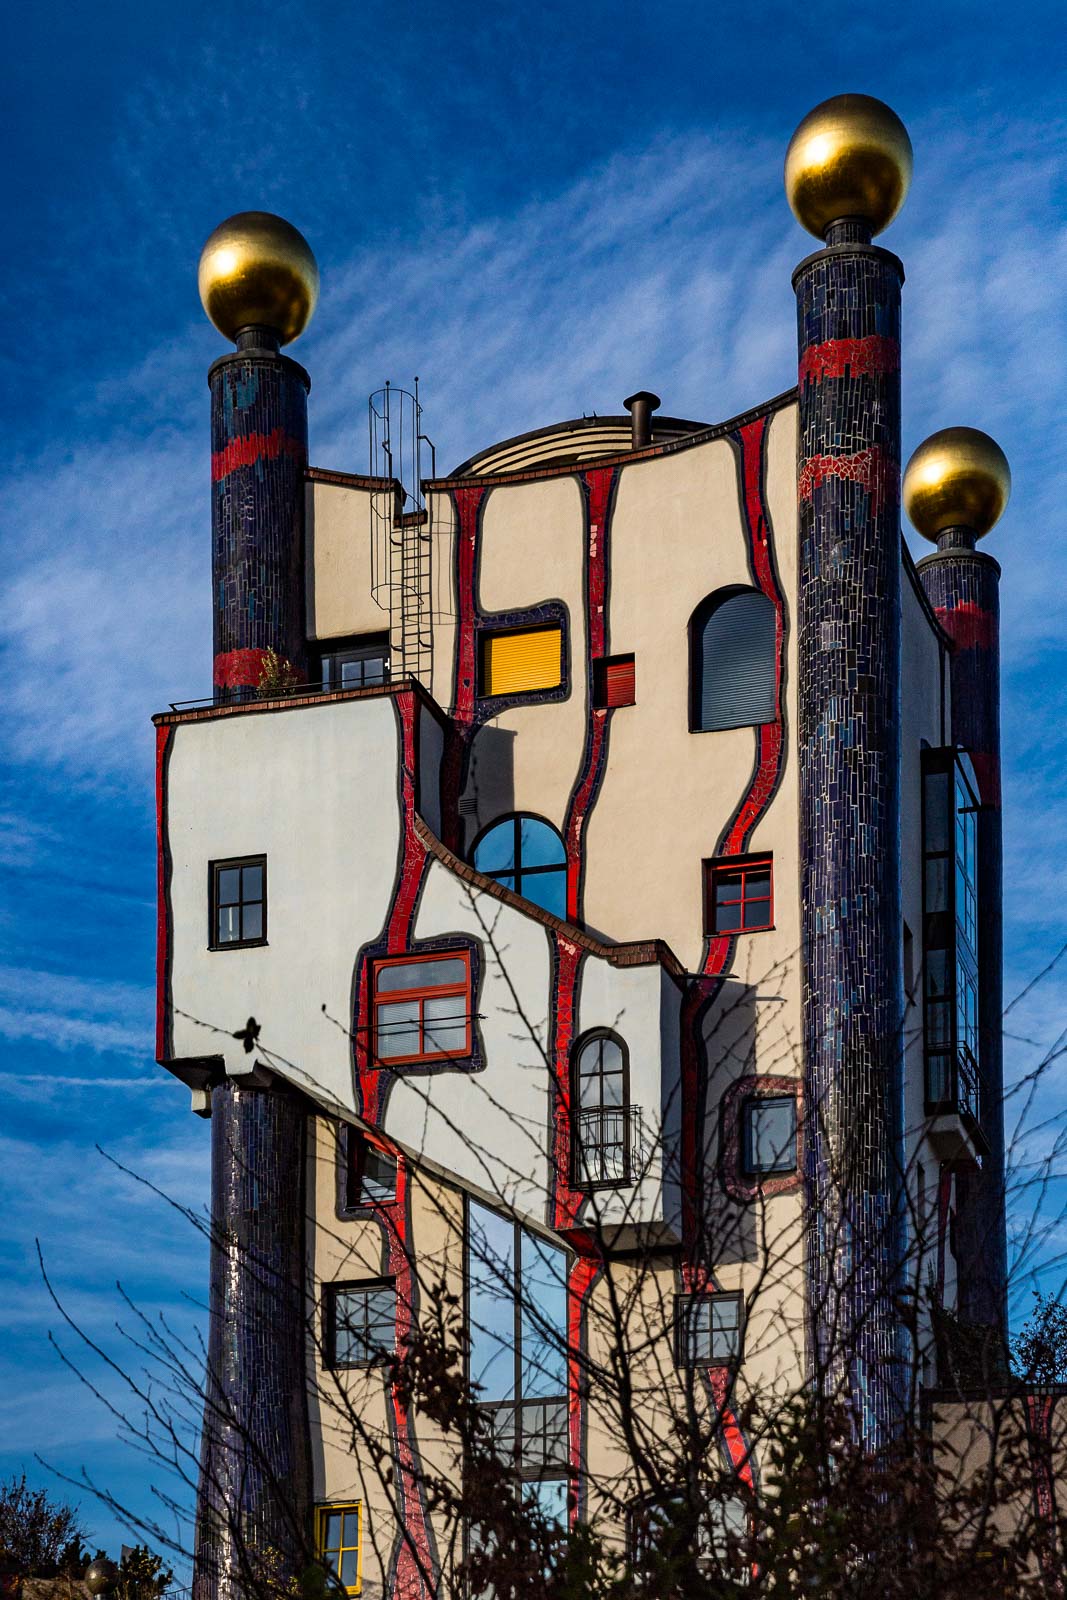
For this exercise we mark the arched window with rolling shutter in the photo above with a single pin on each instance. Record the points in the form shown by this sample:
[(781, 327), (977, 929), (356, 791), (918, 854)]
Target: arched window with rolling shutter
[(732, 658)]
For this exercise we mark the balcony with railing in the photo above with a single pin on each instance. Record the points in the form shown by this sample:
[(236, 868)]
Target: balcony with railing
[(610, 1147)]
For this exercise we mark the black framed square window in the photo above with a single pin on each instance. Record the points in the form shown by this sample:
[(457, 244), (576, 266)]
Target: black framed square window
[(708, 1329), (361, 663), (370, 1175), (238, 900), (360, 1323), (769, 1134)]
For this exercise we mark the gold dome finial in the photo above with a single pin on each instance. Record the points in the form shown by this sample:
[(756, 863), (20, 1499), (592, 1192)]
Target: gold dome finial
[(257, 270), (850, 157), (958, 478)]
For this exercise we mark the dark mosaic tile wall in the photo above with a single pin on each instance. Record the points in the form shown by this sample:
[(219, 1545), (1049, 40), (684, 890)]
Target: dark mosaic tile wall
[(963, 586), (255, 1469), (258, 455), (848, 740)]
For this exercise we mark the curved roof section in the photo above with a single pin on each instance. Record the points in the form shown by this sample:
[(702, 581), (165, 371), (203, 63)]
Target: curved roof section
[(565, 442)]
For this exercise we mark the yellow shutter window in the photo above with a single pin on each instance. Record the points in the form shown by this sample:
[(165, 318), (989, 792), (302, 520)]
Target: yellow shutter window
[(520, 663)]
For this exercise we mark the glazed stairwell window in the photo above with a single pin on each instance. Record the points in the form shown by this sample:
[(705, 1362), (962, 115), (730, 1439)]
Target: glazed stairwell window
[(733, 659), (739, 894), (237, 894), (517, 1343), (950, 933), (422, 1008), (340, 1544)]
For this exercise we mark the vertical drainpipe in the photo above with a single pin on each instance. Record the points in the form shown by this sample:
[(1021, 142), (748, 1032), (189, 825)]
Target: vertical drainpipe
[(848, 744), (956, 486), (258, 283)]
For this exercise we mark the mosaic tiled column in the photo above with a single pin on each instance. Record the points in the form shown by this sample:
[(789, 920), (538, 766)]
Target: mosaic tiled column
[(255, 1464), (259, 449), (848, 741), (963, 586)]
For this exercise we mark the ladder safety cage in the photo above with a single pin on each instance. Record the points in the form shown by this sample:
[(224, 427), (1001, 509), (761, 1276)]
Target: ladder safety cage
[(401, 539)]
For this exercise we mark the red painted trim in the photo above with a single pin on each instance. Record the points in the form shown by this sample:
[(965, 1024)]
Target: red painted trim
[(970, 627), (872, 469), (843, 358), (468, 502), (239, 669), (583, 1273), (739, 867), (253, 447), (163, 737)]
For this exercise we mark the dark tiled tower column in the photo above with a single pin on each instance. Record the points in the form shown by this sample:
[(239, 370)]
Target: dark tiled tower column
[(848, 745), (259, 283), (956, 486), (259, 450), (255, 1466)]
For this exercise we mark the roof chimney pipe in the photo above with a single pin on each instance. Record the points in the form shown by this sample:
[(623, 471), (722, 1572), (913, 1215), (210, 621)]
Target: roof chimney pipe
[(641, 406)]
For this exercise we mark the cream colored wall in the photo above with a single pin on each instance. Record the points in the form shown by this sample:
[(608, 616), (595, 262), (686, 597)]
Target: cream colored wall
[(348, 1408), (339, 531), (527, 758)]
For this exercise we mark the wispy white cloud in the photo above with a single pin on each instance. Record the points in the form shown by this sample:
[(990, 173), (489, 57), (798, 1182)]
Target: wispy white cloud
[(70, 1013)]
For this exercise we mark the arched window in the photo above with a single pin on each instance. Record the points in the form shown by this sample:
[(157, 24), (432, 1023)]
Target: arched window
[(732, 660), (526, 854), (601, 1115)]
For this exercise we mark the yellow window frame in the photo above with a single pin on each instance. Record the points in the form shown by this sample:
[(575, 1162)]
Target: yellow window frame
[(344, 1509)]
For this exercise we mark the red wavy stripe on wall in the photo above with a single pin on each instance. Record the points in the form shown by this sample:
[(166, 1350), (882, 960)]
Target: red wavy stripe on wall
[(253, 447), (849, 358), (416, 1565)]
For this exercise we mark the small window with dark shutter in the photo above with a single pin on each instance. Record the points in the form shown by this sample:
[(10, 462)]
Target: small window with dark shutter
[(732, 661), (613, 682)]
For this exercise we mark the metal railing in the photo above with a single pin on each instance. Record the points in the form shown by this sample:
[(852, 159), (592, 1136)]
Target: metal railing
[(609, 1147), (251, 696)]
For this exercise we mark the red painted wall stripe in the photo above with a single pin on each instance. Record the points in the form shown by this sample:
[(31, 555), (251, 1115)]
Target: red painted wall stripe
[(253, 447)]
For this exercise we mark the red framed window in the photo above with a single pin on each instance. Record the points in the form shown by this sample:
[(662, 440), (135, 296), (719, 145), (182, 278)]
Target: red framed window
[(422, 1008), (614, 682), (740, 894)]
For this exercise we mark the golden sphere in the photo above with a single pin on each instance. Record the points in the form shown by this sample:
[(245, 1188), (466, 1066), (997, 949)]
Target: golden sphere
[(256, 270), (958, 478), (850, 157)]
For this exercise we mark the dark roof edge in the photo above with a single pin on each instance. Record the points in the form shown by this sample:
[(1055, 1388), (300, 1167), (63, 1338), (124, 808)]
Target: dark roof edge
[(638, 953), (686, 441)]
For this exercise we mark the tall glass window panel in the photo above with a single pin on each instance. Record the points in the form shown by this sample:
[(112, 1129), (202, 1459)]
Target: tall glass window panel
[(491, 1264), (543, 1305)]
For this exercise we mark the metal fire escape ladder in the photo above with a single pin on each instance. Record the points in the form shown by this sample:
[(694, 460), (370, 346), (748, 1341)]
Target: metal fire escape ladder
[(402, 543)]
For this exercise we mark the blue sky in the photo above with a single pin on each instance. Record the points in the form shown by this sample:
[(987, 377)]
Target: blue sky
[(539, 210)]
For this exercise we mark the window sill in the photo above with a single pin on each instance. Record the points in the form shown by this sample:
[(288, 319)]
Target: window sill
[(735, 933), (239, 944)]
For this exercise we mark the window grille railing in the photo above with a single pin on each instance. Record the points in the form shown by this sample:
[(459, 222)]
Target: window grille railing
[(609, 1147)]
